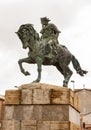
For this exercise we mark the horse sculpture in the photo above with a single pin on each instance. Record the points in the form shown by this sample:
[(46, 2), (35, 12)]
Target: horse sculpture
[(61, 59)]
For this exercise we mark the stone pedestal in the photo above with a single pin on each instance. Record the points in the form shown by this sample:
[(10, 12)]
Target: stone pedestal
[(41, 107), (1, 109)]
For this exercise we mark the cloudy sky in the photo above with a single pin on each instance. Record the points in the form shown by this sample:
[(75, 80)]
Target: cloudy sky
[(72, 17)]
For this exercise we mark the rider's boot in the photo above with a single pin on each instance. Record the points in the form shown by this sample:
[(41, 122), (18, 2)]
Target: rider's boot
[(48, 51)]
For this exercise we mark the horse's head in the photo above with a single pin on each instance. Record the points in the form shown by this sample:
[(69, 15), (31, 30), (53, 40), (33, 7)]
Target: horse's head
[(27, 35)]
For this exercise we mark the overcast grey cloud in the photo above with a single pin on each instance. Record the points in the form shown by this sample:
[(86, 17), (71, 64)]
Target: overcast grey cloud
[(73, 19)]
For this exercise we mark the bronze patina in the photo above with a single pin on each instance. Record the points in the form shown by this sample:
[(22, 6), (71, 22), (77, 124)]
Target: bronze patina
[(46, 50)]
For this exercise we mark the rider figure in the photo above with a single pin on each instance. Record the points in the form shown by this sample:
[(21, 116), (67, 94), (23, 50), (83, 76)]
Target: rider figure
[(49, 32)]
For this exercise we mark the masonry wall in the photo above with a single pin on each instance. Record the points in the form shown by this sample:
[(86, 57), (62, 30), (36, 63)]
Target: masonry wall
[(1, 110), (41, 107)]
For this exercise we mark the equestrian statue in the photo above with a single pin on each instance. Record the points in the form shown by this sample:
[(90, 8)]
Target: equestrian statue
[(46, 50)]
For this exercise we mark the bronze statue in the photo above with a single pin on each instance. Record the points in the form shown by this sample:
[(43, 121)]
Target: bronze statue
[(39, 50), (49, 36)]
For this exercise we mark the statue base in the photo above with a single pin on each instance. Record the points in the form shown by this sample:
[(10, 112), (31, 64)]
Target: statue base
[(40, 106)]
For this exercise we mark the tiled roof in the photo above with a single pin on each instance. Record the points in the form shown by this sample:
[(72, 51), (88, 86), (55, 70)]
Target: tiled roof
[(77, 90)]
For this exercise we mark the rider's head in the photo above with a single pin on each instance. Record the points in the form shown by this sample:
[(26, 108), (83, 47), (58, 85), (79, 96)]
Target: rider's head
[(44, 20)]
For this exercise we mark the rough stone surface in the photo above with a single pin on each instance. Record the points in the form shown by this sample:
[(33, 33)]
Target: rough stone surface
[(8, 113), (38, 93), (12, 97), (41, 107), (43, 125), (38, 125), (55, 113), (33, 112), (74, 126), (74, 116), (1, 108), (41, 96), (60, 97), (42, 112), (11, 125), (57, 125), (26, 96), (28, 125)]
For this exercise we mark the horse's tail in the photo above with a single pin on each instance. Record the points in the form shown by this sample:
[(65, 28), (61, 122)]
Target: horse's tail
[(77, 66)]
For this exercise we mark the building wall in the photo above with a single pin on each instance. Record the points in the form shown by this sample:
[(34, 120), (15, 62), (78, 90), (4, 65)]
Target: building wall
[(85, 121), (85, 107), (85, 100)]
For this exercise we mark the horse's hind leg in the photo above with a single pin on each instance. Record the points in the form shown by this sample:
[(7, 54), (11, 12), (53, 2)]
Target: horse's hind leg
[(67, 75), (66, 72), (59, 69)]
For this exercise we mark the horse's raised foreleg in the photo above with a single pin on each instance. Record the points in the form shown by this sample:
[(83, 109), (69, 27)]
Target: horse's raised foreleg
[(27, 60), (39, 62)]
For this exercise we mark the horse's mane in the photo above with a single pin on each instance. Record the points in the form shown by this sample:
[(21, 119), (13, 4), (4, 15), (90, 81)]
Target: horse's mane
[(28, 27), (31, 30)]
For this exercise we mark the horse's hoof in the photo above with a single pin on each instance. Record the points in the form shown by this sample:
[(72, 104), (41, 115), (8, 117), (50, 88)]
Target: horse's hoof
[(35, 81), (65, 86), (27, 73)]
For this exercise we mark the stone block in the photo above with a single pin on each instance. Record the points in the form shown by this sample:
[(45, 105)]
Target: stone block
[(55, 112), (29, 122), (58, 125), (1, 109), (13, 112), (32, 112), (8, 112), (28, 125), (76, 102), (18, 112), (10, 125), (12, 97), (60, 96), (38, 125), (0, 125), (64, 96), (26, 96), (30, 86), (43, 125), (71, 97), (41, 96), (74, 116), (1, 104), (74, 126)]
